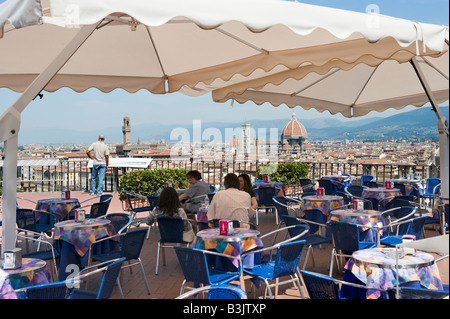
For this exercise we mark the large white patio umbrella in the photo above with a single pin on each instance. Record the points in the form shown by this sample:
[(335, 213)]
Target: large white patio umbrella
[(172, 45), (355, 89)]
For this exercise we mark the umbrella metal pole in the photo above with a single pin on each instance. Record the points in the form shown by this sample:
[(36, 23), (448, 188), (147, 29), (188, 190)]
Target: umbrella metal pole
[(9, 129), (442, 128)]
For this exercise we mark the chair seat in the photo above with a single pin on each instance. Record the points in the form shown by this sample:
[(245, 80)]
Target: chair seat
[(83, 294), (262, 271), (367, 244), (391, 240), (218, 277)]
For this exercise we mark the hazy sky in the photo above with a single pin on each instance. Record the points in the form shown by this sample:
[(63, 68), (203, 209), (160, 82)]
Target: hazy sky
[(94, 109)]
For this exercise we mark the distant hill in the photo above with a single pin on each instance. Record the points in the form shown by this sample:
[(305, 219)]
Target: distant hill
[(421, 122)]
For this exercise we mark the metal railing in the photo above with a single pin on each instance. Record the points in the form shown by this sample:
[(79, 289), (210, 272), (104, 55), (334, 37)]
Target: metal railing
[(75, 175)]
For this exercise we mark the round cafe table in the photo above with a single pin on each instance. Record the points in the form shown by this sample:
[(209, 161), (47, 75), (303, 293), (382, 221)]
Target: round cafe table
[(32, 272), (74, 240), (376, 267), (369, 218)]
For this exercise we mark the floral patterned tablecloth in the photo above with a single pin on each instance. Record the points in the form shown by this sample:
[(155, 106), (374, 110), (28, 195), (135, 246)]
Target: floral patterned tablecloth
[(369, 218), (58, 206), (324, 203), (375, 268)]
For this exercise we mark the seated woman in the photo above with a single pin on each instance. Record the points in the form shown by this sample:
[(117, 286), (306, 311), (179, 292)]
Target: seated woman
[(169, 205), (246, 186)]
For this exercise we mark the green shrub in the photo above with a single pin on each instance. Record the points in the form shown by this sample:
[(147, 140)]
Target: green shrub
[(147, 182), (287, 173)]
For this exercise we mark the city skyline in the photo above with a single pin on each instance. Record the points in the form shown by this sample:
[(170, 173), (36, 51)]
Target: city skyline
[(93, 110)]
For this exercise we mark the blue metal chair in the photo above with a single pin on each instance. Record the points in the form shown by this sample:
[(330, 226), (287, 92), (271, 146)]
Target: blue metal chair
[(131, 243), (265, 200), (217, 292), (195, 268), (50, 252), (431, 191), (130, 196), (110, 273), (366, 178), (311, 239), (320, 286), (283, 208), (120, 221), (412, 226), (346, 241), (284, 263), (171, 232), (97, 209)]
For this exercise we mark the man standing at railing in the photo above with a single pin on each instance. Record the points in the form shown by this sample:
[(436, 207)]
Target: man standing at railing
[(99, 153)]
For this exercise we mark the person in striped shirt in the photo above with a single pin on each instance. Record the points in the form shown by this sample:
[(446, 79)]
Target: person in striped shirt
[(231, 203)]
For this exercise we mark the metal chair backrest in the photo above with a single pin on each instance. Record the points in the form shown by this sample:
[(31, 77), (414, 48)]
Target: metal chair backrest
[(109, 279), (314, 215), (152, 201), (131, 243), (355, 190), (327, 185), (265, 195), (287, 258), (120, 221), (299, 227), (415, 227), (345, 196), (345, 236), (366, 178), (99, 209), (25, 218), (170, 229), (320, 286), (55, 290), (106, 198), (281, 204), (193, 264), (430, 185)]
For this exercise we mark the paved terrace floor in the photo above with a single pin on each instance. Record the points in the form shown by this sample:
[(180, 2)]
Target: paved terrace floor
[(167, 284)]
